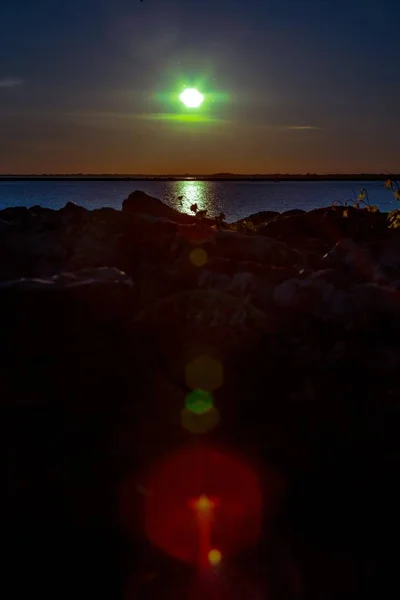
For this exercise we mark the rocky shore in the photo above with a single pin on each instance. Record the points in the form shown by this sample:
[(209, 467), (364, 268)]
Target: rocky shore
[(101, 310)]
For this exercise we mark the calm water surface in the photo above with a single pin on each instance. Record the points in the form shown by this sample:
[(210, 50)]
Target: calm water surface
[(236, 199)]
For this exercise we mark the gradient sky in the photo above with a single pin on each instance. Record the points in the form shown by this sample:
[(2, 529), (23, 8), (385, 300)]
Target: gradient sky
[(291, 86)]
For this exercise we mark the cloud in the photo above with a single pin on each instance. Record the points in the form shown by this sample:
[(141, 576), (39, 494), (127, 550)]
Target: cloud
[(181, 118), (112, 119), (301, 127), (10, 82)]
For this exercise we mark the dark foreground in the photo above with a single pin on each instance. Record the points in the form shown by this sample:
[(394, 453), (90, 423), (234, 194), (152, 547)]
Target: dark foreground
[(101, 311)]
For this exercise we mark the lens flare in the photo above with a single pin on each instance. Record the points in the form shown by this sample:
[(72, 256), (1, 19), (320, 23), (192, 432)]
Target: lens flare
[(198, 424), (199, 401), (198, 257), (191, 98), (204, 373), (214, 557), (202, 499)]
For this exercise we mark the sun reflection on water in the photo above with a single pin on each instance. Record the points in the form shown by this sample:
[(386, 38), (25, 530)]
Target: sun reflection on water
[(188, 193)]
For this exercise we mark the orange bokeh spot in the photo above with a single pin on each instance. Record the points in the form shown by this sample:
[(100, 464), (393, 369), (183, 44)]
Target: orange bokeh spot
[(214, 557), (218, 484), (203, 504), (204, 373), (198, 257)]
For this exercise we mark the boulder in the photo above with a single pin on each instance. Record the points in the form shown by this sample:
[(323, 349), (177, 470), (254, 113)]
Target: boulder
[(258, 270), (307, 225), (72, 209), (263, 250), (4, 226), (389, 256), (47, 244), (293, 212), (258, 218), (68, 369), (308, 296), (16, 214), (142, 203), (208, 317), (372, 299), (328, 225), (355, 257)]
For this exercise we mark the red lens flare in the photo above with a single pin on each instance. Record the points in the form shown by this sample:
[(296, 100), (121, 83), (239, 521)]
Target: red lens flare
[(200, 500)]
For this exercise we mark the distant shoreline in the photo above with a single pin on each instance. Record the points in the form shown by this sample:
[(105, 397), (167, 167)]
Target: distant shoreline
[(274, 178)]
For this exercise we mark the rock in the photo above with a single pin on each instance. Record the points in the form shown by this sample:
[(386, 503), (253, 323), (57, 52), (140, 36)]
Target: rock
[(210, 308), (53, 316), (64, 281), (38, 210), (389, 256), (328, 225), (196, 233), (47, 244), (293, 212), (355, 257), (68, 369), (308, 296), (93, 362), (73, 209), (4, 226), (74, 218), (307, 225), (97, 276), (142, 203), (16, 214), (370, 299), (258, 218), (45, 219), (339, 278), (28, 284), (238, 246), (212, 318)]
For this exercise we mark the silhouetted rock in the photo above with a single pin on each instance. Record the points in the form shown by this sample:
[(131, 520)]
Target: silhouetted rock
[(328, 225), (307, 225), (238, 246), (15, 214), (100, 313), (142, 203), (4, 226), (293, 212), (389, 255), (259, 218), (355, 257)]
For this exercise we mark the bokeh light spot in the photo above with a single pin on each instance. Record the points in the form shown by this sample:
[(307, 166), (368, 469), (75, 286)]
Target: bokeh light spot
[(199, 401), (198, 257), (214, 557), (203, 504), (171, 522), (191, 98), (200, 423), (205, 373)]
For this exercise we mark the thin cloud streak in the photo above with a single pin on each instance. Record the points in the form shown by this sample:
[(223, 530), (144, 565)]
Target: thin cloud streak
[(113, 118), (10, 82), (302, 128)]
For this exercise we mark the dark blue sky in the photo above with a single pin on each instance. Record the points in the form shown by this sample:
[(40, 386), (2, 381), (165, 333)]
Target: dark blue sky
[(290, 85)]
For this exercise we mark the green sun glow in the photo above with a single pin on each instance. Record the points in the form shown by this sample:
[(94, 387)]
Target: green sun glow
[(191, 98), (199, 402)]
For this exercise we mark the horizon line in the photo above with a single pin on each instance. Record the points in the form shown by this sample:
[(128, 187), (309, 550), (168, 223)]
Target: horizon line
[(214, 174)]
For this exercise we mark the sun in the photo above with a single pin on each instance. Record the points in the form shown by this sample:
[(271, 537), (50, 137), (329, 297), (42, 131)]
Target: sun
[(191, 98)]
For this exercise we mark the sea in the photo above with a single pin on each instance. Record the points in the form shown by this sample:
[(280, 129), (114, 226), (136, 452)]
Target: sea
[(236, 199)]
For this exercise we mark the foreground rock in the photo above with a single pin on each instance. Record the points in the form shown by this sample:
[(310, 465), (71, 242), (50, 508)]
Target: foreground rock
[(101, 311), (140, 203)]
